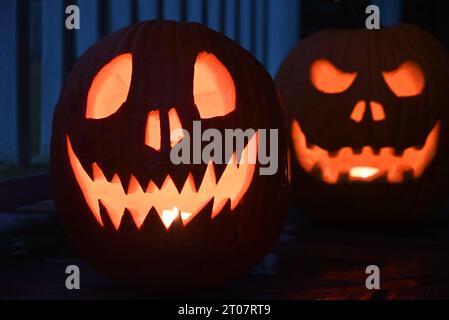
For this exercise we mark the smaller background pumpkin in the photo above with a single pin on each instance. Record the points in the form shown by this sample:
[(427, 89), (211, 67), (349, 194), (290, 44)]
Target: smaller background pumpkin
[(340, 95)]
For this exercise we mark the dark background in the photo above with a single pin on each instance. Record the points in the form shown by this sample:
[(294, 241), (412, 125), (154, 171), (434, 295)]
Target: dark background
[(309, 262)]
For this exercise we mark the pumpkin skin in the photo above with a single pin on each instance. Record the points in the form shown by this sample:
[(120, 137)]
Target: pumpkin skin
[(359, 102), (147, 252)]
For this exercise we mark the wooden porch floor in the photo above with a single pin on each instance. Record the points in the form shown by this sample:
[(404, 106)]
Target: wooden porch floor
[(309, 262)]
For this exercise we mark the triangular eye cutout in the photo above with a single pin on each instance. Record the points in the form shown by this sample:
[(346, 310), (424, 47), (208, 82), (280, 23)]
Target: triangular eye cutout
[(109, 88), (213, 87)]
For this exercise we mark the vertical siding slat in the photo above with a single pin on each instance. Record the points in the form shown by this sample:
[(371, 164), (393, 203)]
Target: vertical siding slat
[(390, 11), (120, 14), (23, 83), (8, 89), (259, 36), (213, 14), (53, 24), (172, 9), (245, 23), (229, 26), (195, 10), (88, 33), (283, 31), (147, 9)]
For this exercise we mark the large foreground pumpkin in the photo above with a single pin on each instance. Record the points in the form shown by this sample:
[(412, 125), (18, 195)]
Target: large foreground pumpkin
[(126, 207), (368, 118)]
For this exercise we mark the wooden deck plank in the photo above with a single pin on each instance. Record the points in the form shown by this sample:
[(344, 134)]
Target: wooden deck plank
[(21, 191), (309, 262)]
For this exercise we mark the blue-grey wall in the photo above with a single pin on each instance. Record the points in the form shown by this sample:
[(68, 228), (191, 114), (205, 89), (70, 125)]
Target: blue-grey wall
[(267, 28)]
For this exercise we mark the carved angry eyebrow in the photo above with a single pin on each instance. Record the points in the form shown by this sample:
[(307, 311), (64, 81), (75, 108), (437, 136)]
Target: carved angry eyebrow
[(327, 78)]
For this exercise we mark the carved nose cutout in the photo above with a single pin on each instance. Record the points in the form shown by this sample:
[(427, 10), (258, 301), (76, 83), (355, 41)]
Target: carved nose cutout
[(377, 111), (359, 111), (176, 133), (153, 129)]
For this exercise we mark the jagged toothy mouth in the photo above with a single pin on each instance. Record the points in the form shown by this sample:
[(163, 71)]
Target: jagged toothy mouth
[(347, 165), (167, 200)]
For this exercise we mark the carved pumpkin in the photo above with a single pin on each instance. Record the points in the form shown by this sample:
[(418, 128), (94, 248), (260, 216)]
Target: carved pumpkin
[(368, 123), (126, 207)]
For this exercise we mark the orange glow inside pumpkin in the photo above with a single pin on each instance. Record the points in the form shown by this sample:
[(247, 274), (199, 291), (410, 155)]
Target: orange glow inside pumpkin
[(406, 81), (328, 78), (168, 216), (169, 202), (176, 133), (363, 173), (347, 165), (213, 87), (153, 130), (109, 88)]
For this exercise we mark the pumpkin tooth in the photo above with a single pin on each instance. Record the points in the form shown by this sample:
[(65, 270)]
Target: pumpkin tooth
[(329, 174), (151, 187), (189, 187), (343, 177), (396, 173), (376, 151), (158, 179), (125, 180), (104, 214), (333, 153), (206, 212), (129, 223), (115, 212), (220, 205), (89, 171), (316, 171), (407, 174), (198, 174), (116, 179), (180, 179), (133, 185), (169, 186), (97, 172), (109, 174), (152, 223), (383, 177), (219, 170), (419, 147), (209, 176), (178, 223), (398, 152), (357, 151)]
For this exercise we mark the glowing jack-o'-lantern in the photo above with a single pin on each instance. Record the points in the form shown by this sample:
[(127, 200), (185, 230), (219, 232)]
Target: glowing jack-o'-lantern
[(126, 207), (367, 117)]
